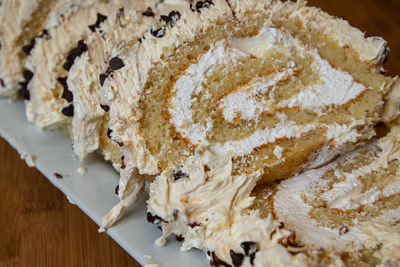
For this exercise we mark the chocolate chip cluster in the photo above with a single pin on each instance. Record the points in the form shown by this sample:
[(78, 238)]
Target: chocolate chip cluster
[(158, 28)]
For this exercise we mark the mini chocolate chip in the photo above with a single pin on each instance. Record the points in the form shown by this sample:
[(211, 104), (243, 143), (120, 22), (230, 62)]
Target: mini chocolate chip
[(116, 63), (148, 13), (45, 35), (74, 53), (203, 4), (175, 15), (237, 258), (23, 91), (116, 190), (150, 218), (281, 225), (28, 48), (106, 108), (119, 12), (153, 218), (158, 32), (165, 18), (172, 17), (194, 224), (28, 75), (100, 19), (67, 94), (249, 247), (2, 83), (68, 111), (252, 257), (215, 261), (385, 55), (109, 132), (123, 166), (121, 144), (179, 238), (58, 176), (179, 174), (343, 230), (102, 78)]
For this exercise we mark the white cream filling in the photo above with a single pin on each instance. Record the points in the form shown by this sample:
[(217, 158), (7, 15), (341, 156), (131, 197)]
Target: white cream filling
[(188, 85), (335, 87), (246, 104)]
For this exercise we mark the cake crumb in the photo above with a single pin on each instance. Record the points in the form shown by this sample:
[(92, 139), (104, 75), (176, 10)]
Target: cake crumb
[(29, 159), (149, 257), (81, 170), (156, 264)]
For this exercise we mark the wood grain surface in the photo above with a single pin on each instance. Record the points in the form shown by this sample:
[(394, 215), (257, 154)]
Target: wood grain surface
[(39, 227)]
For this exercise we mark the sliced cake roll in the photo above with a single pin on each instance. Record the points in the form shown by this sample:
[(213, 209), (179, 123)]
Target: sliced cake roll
[(50, 101), (351, 205), (122, 29), (277, 86), (344, 214), (20, 23), (87, 74)]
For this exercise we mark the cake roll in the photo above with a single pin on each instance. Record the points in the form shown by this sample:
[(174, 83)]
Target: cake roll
[(122, 29), (279, 87), (49, 101), (20, 23), (89, 132), (346, 213)]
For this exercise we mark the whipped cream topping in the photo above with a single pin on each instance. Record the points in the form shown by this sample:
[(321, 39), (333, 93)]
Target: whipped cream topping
[(313, 19), (15, 19), (207, 207), (49, 55), (121, 28)]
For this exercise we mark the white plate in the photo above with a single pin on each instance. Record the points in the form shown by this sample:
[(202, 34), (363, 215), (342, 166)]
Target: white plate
[(92, 192)]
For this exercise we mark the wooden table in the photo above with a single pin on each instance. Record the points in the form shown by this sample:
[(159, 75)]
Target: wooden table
[(39, 227)]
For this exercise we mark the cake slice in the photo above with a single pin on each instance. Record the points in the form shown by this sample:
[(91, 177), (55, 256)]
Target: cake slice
[(344, 214), (277, 86), (89, 130), (50, 101), (122, 29), (20, 23)]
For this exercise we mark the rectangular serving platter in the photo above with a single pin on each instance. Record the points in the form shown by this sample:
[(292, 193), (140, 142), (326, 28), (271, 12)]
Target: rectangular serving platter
[(92, 192)]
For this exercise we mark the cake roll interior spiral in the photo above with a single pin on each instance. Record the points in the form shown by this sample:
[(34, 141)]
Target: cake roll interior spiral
[(266, 90), (350, 202)]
